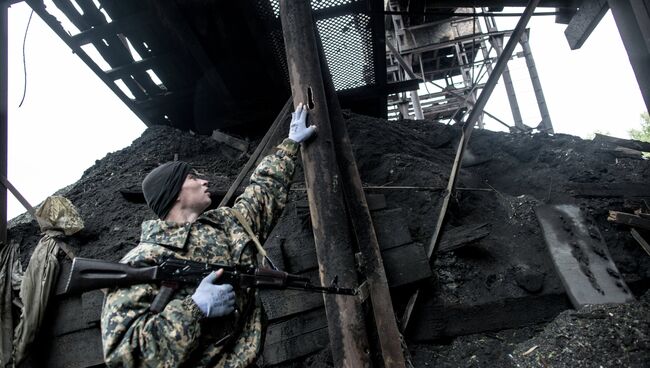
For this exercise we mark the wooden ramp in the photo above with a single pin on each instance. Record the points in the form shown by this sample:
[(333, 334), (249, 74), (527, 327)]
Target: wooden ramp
[(581, 257)]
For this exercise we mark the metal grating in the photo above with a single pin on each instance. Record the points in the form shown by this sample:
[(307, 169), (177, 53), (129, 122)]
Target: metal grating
[(315, 4), (347, 41)]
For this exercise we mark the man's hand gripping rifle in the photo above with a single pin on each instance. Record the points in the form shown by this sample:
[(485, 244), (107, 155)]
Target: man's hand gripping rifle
[(90, 274)]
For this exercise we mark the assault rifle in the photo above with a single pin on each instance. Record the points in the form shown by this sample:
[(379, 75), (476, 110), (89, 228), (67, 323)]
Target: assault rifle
[(91, 274)]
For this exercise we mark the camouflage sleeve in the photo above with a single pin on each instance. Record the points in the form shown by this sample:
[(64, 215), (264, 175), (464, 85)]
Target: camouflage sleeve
[(264, 198), (132, 336)]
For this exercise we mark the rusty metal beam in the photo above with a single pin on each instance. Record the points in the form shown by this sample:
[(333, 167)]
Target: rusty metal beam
[(355, 198), (477, 110), (346, 322)]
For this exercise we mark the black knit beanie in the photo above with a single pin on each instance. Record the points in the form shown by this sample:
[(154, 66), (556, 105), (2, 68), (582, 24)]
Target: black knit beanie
[(162, 185)]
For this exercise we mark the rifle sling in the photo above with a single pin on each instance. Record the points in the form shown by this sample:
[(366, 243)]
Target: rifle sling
[(250, 232)]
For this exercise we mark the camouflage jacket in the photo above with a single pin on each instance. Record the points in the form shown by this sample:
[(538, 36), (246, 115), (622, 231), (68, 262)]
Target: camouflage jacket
[(133, 336)]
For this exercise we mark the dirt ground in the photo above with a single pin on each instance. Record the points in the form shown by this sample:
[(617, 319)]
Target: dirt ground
[(507, 178)]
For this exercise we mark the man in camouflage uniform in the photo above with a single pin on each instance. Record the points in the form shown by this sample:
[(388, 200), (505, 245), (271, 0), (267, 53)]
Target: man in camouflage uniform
[(209, 325)]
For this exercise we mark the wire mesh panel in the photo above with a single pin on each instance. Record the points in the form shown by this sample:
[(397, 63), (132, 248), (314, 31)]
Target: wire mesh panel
[(347, 41)]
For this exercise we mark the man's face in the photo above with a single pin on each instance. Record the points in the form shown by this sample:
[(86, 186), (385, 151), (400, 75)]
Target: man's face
[(194, 194)]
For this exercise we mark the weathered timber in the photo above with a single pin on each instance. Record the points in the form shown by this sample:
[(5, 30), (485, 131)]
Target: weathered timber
[(66, 316), (91, 305), (627, 143), (642, 242), (346, 322), (405, 265), (629, 219), (468, 127), (7, 185), (622, 152), (461, 236), (437, 319), (625, 190), (230, 141), (581, 257), (391, 228), (77, 349), (585, 21), (299, 253), (271, 138), (296, 337), (282, 303)]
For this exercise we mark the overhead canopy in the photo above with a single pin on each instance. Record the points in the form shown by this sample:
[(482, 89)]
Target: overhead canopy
[(205, 65)]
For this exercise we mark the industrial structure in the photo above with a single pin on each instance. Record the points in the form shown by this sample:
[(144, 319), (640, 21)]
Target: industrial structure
[(191, 65)]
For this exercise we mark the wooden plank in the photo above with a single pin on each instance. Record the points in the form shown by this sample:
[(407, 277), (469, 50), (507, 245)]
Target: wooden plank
[(406, 264), (282, 303), (436, 319), (280, 331), (622, 152), (91, 304), (300, 254), (625, 190), (67, 315), (628, 219), (125, 24), (581, 257), (78, 349), (238, 144), (642, 242), (585, 21), (462, 235), (294, 338), (346, 321), (628, 143), (391, 228), (376, 202), (271, 138)]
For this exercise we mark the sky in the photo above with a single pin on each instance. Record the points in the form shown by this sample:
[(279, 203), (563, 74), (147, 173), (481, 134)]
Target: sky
[(70, 118)]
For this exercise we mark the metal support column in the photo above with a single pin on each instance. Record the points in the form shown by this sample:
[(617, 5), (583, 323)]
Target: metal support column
[(468, 128), (463, 62), (633, 22), (345, 320), (546, 125), (497, 43), (400, 38), (4, 76)]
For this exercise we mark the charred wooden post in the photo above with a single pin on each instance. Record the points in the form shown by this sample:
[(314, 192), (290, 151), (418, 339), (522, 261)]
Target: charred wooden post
[(346, 325), (355, 198), (4, 75)]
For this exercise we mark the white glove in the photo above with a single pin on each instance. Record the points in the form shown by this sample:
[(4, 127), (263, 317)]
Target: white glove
[(214, 300), (298, 130)]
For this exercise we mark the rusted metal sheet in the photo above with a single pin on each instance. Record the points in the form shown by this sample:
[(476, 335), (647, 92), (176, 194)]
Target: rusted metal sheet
[(581, 257)]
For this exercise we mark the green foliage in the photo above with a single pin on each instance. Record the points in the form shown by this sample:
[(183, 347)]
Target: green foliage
[(642, 134)]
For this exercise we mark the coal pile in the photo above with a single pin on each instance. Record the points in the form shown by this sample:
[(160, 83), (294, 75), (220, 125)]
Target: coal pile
[(409, 162)]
